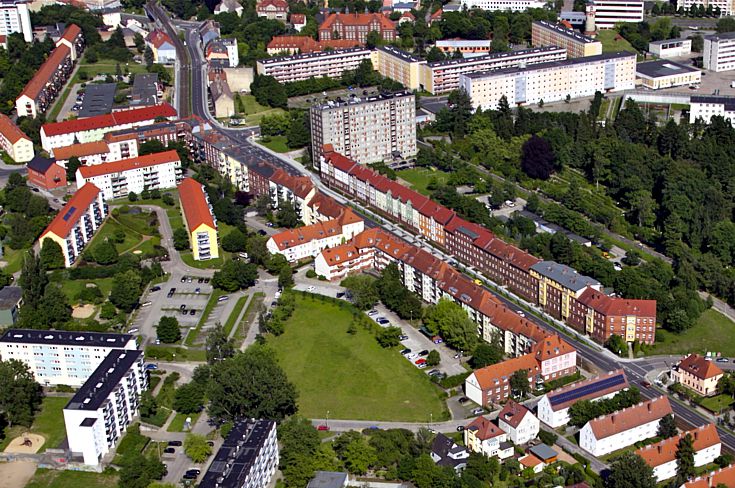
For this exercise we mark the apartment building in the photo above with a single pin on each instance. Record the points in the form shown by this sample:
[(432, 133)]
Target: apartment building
[(559, 285), (656, 75), (549, 82), (553, 408), (368, 130), (697, 373), (88, 153), (671, 48), (662, 455), (119, 178), (304, 45), (330, 64), (624, 428), (272, 9), (707, 106), (73, 38), (45, 173), (356, 27), (484, 437), (248, 457), (398, 65), (521, 425), (57, 357), (600, 316), (77, 222), (467, 47), (200, 222), (607, 13), (724, 476), (14, 142), (719, 52), (164, 51), (509, 5), (577, 45), (726, 6), (491, 384), (15, 17), (98, 414)]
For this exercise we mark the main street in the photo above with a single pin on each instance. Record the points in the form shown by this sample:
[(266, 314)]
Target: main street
[(595, 355)]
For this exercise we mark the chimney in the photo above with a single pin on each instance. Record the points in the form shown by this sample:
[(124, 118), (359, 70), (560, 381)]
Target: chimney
[(649, 406), (612, 418), (659, 448)]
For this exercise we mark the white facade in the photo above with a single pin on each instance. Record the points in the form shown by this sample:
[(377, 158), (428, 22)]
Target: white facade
[(61, 358), (606, 445), (579, 77), (719, 52), (98, 414), (559, 417), (673, 48), (312, 239), (702, 457), (512, 5), (15, 17), (119, 183), (551, 368), (473, 390), (610, 12), (726, 6), (330, 64), (706, 107), (526, 431), (232, 54)]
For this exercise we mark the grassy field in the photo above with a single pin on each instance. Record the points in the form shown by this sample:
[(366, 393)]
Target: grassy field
[(177, 423), (14, 258), (48, 423), (255, 111), (276, 143), (419, 178), (717, 403), (235, 314), (71, 288), (350, 376), (139, 235), (713, 332), (173, 353), (610, 44), (49, 478), (255, 305), (217, 263)]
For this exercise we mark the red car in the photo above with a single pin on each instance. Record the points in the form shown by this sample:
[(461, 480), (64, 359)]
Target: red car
[(323, 427), (420, 361)]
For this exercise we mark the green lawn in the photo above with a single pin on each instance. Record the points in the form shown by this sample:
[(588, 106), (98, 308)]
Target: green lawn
[(419, 178), (610, 44), (194, 333), (71, 288), (235, 314), (275, 143), (717, 403), (50, 478), (173, 353), (216, 263), (177, 424), (713, 332), (255, 111), (48, 423), (254, 307), (108, 229), (350, 376), (14, 258)]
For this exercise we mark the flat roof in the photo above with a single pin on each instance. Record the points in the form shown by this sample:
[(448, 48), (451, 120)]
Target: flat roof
[(316, 55), (65, 338), (362, 100), (495, 56), (328, 479), (662, 68), (728, 102), (668, 41), (725, 36), (551, 64), (93, 393), (568, 33), (233, 461), (400, 54), (98, 99), (145, 89)]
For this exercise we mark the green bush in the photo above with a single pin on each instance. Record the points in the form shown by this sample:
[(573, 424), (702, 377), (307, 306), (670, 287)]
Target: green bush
[(311, 273), (453, 381)]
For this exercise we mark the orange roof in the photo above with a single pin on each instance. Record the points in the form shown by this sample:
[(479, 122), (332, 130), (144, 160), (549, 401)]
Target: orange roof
[(10, 131), (81, 150), (566, 24), (484, 429), (298, 19), (530, 461), (724, 476), (46, 72), (194, 204), (513, 414), (357, 19), (158, 38), (302, 235), (608, 305), (552, 347), (122, 117), (301, 186), (281, 5), (665, 451), (70, 214), (699, 367), (71, 33), (348, 217), (631, 417), (308, 45), (128, 164), (494, 375)]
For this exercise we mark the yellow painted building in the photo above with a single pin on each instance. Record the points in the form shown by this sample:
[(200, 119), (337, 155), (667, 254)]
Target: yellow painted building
[(399, 66), (201, 225)]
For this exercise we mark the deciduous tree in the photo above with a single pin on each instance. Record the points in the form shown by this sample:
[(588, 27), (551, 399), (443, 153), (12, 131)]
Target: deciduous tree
[(196, 447), (630, 471), (20, 395), (168, 330)]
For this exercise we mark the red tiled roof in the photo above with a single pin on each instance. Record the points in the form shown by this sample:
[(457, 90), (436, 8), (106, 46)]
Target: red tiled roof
[(665, 451), (302, 235), (530, 461), (356, 19), (298, 19), (699, 367), (128, 164), (45, 72), (513, 414), (495, 375), (408, 15), (724, 476), (326, 205), (109, 120), (484, 429), (301, 186), (437, 15), (158, 38), (10, 131), (552, 347), (81, 150), (615, 306), (70, 214), (631, 417), (304, 44), (281, 5), (194, 204), (71, 32)]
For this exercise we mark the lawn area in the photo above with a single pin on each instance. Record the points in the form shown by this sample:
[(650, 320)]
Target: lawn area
[(713, 332), (177, 423), (71, 288), (50, 478), (217, 263), (419, 178), (173, 353), (254, 307), (610, 44), (717, 403), (193, 333), (350, 376), (14, 258), (235, 314), (255, 111), (48, 423), (275, 143), (136, 227)]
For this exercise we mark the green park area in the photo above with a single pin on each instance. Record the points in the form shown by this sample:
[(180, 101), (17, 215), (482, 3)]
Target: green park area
[(249, 108), (48, 423), (49, 478), (613, 42), (718, 403), (275, 143), (419, 178), (713, 332), (350, 375)]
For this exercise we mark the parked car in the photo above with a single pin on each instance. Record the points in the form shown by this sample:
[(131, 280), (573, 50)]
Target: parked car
[(171, 292), (146, 304), (421, 365), (195, 471), (183, 279), (383, 321), (372, 313), (134, 330), (262, 232), (192, 312), (463, 400), (155, 288), (722, 360), (420, 361), (151, 366), (460, 428), (175, 443), (182, 306), (311, 288), (200, 280), (406, 352), (223, 298), (402, 337), (169, 450), (323, 427), (437, 340), (425, 352), (198, 291), (478, 411)]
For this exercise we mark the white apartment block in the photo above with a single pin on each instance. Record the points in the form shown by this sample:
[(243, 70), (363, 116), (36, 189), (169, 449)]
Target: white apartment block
[(77, 222), (98, 414), (117, 179), (719, 52), (726, 6), (14, 142), (60, 357), (15, 17), (662, 455), (577, 45), (309, 241), (510, 5), (232, 55), (607, 13), (368, 130), (330, 64), (706, 107), (550, 82), (247, 459), (624, 428), (672, 48)]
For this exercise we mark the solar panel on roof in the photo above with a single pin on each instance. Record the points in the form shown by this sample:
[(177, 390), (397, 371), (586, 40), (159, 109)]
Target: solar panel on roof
[(69, 213), (589, 389)]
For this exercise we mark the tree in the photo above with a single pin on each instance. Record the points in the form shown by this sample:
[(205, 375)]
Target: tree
[(285, 277), (126, 290), (630, 471), (486, 354), (685, 459), (20, 395), (148, 56), (287, 216), (434, 358), (617, 344), (196, 448), (33, 281), (188, 398), (71, 168), (537, 158), (235, 241), (667, 427), (138, 471), (373, 39), (449, 319), (151, 146), (132, 196), (250, 384), (389, 336), (363, 290), (51, 255), (181, 239), (358, 456), (219, 346), (235, 275), (105, 253), (168, 330), (519, 384)]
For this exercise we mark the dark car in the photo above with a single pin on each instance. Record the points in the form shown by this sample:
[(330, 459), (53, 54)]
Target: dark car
[(406, 351), (182, 306), (171, 292), (183, 279), (174, 443), (425, 352), (169, 450), (190, 476), (194, 471), (192, 312), (200, 280), (262, 232), (460, 428), (156, 288), (463, 400)]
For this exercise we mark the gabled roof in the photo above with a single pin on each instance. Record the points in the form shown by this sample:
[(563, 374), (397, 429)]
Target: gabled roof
[(194, 204), (630, 418), (45, 72), (122, 117), (552, 347), (158, 38), (10, 131), (301, 186), (513, 414), (39, 164), (129, 164), (724, 476), (71, 32), (589, 389), (699, 367), (297, 19), (70, 214), (564, 275), (530, 461), (357, 19), (484, 429), (303, 235), (616, 306), (281, 5), (665, 451), (81, 150), (495, 375)]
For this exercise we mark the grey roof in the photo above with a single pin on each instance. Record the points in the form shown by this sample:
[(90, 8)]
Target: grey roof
[(40, 164), (726, 36), (728, 102), (319, 54), (145, 89), (668, 41), (564, 275), (400, 54), (9, 297), (661, 68), (328, 479), (568, 33), (104, 379), (362, 100), (98, 99), (495, 56), (543, 452), (64, 338)]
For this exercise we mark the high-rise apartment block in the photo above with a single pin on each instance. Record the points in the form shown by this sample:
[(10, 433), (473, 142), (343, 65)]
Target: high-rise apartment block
[(367, 130), (15, 17), (577, 45), (719, 52), (607, 13)]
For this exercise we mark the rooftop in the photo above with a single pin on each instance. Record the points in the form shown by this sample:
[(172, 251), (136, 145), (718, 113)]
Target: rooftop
[(316, 55), (394, 51), (617, 306), (195, 205), (662, 68), (10, 296), (665, 451), (699, 367), (40, 164), (568, 33), (630, 418), (328, 479), (496, 375), (724, 476), (10, 131), (63, 338), (725, 36), (357, 19), (564, 275), (81, 150), (484, 428), (44, 74), (513, 414), (488, 58), (589, 389), (70, 214), (728, 102), (122, 117), (152, 159), (543, 452), (553, 64), (93, 393)]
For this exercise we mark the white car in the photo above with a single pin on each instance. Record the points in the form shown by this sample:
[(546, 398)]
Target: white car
[(510, 203), (412, 356), (311, 288)]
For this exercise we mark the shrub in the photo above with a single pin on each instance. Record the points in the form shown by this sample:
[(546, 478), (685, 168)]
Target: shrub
[(311, 273)]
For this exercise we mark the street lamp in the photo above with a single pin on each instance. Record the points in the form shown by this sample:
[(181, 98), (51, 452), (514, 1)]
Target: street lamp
[(326, 422)]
